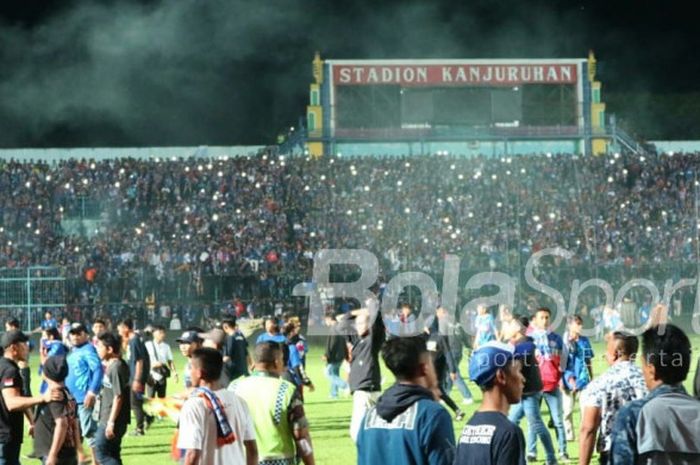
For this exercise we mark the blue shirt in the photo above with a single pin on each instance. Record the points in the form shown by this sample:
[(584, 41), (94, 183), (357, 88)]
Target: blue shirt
[(266, 337), (421, 435), (578, 356), (486, 329), (48, 324), (84, 372)]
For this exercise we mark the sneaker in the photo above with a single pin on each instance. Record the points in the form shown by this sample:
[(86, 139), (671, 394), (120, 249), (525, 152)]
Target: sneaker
[(531, 458), (459, 415), (468, 401), (137, 432), (564, 457)]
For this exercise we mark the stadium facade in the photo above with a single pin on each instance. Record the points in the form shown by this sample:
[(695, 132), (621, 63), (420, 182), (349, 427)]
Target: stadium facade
[(491, 107)]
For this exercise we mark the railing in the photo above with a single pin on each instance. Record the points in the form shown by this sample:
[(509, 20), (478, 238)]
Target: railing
[(444, 133)]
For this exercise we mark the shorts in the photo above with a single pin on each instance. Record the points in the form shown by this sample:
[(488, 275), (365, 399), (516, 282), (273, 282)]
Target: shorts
[(88, 425)]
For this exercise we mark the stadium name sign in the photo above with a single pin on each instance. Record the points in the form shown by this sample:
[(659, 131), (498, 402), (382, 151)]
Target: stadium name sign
[(368, 264), (436, 75)]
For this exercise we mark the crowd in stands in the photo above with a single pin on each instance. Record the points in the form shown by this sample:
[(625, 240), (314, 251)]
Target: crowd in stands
[(163, 223)]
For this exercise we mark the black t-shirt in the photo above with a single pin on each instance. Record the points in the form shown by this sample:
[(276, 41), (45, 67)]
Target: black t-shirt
[(11, 423), (45, 425), (236, 347), (489, 438), (137, 351), (115, 382)]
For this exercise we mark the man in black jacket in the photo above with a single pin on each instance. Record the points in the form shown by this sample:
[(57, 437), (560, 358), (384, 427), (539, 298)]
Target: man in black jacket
[(365, 342), (336, 353)]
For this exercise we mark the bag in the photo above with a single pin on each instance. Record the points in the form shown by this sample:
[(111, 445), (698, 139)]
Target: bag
[(162, 370)]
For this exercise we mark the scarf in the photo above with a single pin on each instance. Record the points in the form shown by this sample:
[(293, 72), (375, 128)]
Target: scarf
[(224, 432)]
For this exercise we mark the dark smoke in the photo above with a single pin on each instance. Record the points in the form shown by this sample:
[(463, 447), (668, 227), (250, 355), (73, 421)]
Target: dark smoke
[(217, 72)]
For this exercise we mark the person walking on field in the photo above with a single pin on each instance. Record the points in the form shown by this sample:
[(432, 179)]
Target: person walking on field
[(489, 438), (408, 424), (215, 425)]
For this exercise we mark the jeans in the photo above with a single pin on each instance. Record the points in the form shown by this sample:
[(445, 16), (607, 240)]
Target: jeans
[(554, 402), (459, 382), (333, 375), (529, 407), (9, 453), (108, 451), (88, 425)]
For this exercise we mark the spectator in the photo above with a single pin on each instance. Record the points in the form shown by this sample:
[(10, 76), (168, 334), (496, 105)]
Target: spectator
[(84, 382), (408, 425), (99, 326), (622, 383), (281, 427), (24, 371), (578, 371), (161, 360), (272, 332), (529, 405), (445, 366), (236, 357), (365, 341), (295, 373), (115, 401), (485, 327), (458, 339), (664, 426), (489, 437), (215, 425), (51, 346), (189, 341), (14, 344), (336, 353), (139, 367), (549, 353), (56, 431)]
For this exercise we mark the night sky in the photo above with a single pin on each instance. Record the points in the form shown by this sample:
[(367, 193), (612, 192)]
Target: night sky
[(215, 72)]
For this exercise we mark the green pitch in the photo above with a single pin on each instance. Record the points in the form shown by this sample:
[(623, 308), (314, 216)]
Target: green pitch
[(329, 419)]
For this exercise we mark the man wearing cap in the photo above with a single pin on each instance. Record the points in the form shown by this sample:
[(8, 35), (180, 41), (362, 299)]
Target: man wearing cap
[(139, 367), (84, 380), (489, 438), (56, 432), (189, 342), (12, 403)]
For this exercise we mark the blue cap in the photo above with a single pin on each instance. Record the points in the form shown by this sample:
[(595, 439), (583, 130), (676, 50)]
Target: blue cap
[(488, 359)]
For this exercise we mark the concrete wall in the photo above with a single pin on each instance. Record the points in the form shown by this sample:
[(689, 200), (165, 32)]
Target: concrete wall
[(487, 148)]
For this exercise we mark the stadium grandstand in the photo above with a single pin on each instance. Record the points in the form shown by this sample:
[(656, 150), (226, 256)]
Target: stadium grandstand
[(126, 235)]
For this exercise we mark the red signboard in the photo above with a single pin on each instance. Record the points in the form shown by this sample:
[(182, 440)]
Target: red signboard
[(455, 75)]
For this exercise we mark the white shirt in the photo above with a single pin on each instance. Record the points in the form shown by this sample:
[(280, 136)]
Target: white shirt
[(165, 355), (198, 429)]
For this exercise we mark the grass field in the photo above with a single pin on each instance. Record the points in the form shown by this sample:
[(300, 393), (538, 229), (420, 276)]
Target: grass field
[(329, 419)]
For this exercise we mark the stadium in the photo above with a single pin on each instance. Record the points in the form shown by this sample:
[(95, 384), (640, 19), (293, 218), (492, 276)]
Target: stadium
[(341, 293)]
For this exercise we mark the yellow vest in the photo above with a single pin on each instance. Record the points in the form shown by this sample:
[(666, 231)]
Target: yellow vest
[(268, 399)]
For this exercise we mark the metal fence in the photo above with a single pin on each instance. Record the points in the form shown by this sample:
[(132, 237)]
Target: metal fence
[(25, 293)]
